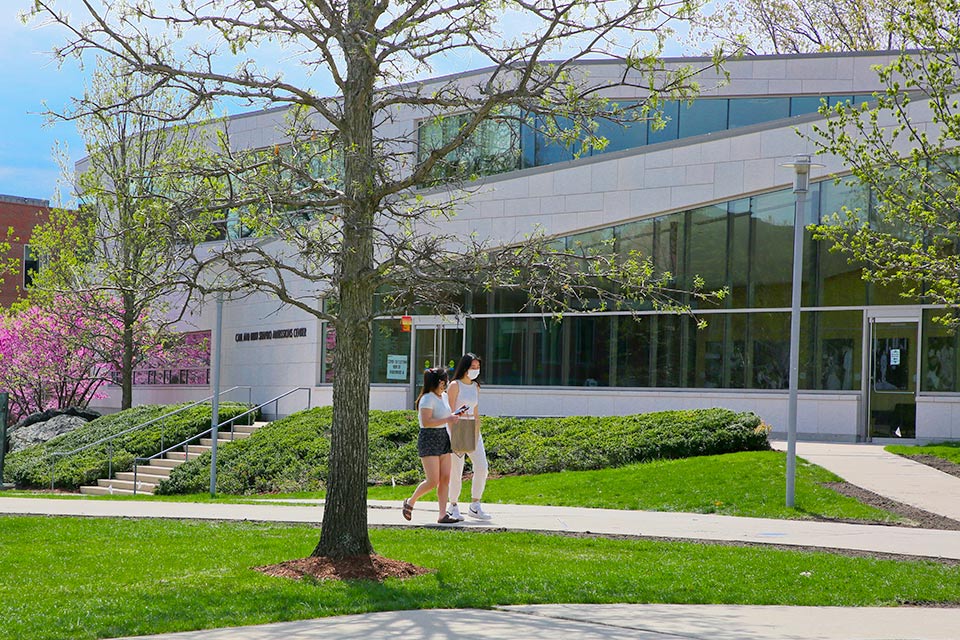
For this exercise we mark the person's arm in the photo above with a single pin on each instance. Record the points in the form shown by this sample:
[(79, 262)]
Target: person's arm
[(453, 392)]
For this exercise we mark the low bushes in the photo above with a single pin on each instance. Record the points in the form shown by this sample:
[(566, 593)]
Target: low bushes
[(291, 454), (31, 467)]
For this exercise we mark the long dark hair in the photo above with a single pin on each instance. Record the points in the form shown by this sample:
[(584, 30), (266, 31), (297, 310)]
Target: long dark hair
[(431, 380), (464, 365)]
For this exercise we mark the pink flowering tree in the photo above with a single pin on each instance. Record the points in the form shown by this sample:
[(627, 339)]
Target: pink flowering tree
[(61, 354)]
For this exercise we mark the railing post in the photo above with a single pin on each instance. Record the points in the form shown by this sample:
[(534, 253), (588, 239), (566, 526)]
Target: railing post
[(53, 466), (110, 462), (135, 477)]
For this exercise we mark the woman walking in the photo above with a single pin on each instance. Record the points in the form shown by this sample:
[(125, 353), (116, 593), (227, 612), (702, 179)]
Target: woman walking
[(465, 390), (433, 443)]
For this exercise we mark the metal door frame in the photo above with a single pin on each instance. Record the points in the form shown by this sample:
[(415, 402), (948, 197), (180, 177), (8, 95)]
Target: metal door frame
[(871, 319), (440, 324)]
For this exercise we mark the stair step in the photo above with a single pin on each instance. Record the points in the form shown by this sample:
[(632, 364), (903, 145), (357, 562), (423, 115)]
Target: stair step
[(207, 442), (195, 452), (141, 476), (105, 491), (117, 483), (157, 470), (157, 464)]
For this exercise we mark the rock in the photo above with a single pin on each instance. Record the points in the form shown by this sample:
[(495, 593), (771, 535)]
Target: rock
[(43, 416), (35, 433)]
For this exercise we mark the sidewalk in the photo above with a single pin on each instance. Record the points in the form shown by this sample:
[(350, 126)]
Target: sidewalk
[(887, 474), (613, 622)]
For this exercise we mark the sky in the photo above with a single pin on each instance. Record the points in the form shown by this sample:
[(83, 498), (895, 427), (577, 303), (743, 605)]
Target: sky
[(31, 84)]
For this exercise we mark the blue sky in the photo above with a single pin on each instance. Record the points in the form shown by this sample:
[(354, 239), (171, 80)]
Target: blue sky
[(30, 79)]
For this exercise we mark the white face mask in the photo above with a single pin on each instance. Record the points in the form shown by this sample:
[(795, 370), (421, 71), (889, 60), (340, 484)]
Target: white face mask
[(473, 374)]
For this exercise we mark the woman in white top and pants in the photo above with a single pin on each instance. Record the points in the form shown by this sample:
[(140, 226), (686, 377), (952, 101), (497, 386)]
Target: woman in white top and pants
[(465, 390)]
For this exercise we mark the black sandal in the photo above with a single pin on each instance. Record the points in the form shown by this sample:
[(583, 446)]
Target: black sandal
[(446, 519), (407, 510)]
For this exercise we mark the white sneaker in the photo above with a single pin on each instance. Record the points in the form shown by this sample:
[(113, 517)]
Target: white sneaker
[(476, 511), (454, 512)]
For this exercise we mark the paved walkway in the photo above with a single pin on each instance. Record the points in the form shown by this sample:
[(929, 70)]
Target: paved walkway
[(865, 465)]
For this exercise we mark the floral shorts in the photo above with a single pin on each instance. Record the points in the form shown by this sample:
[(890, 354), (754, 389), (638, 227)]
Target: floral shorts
[(433, 442)]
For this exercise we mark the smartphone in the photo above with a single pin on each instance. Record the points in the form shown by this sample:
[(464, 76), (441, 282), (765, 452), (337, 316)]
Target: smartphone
[(461, 410)]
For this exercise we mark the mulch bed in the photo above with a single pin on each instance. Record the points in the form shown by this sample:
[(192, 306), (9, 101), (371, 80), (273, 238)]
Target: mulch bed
[(937, 463), (372, 567), (916, 517)]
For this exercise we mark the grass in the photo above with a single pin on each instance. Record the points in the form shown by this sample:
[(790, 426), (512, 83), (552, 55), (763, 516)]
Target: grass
[(750, 484), (75, 578), (946, 450)]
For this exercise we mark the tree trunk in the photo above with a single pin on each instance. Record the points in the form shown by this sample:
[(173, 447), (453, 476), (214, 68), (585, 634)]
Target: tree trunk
[(344, 531), (126, 365)]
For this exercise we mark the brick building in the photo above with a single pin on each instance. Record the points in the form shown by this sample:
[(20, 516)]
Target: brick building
[(19, 216)]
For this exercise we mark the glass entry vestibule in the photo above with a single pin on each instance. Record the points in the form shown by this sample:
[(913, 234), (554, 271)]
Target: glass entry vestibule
[(436, 343), (892, 383)]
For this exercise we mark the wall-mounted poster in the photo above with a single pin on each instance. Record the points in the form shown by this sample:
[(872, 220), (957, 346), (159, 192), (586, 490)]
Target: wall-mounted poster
[(397, 367)]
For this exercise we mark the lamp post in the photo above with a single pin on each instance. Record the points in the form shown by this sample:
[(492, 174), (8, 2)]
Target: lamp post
[(801, 185), (215, 401)]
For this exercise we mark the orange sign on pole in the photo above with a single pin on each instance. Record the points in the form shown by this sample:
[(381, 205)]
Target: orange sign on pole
[(406, 322)]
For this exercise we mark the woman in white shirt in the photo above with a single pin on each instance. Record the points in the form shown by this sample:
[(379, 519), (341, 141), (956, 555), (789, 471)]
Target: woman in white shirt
[(465, 390), (433, 443)]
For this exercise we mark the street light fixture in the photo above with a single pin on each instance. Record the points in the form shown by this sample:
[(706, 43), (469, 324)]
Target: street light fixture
[(801, 166)]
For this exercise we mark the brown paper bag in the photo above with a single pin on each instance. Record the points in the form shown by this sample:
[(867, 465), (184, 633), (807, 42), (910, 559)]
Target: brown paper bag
[(464, 435)]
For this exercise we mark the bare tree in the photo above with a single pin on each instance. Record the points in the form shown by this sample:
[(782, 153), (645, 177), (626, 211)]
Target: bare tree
[(798, 26), (342, 217)]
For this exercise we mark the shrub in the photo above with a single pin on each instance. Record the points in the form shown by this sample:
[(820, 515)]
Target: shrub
[(31, 467), (291, 454)]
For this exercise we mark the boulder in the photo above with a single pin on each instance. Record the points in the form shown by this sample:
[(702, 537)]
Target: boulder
[(23, 436)]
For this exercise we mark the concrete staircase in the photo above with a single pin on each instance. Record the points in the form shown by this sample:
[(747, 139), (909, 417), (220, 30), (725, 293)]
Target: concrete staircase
[(150, 475)]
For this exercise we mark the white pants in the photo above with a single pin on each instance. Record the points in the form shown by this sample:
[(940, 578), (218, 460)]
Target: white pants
[(478, 458)]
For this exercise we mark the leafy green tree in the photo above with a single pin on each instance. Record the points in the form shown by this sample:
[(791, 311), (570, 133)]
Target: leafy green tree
[(905, 151), (337, 220), (124, 242)]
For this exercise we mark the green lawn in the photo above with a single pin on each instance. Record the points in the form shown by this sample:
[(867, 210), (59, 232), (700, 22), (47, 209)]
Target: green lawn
[(750, 484), (76, 578), (946, 450)]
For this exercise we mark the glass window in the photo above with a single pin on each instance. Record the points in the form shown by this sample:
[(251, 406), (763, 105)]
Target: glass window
[(771, 255), (674, 358), (390, 353), (668, 110), (831, 350), (839, 282), (668, 238), (703, 116), (747, 111), (770, 349), (939, 355), (31, 264), (493, 147), (545, 357), (547, 150), (590, 342), (707, 246), (740, 230), (633, 350), (803, 105), (622, 135), (505, 350), (328, 350), (635, 236), (835, 100)]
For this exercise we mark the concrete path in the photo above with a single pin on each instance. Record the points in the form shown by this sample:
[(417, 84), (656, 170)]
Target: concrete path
[(887, 474), (612, 622), (928, 543)]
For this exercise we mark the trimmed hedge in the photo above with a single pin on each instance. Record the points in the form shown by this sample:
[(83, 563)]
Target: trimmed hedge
[(291, 454), (31, 467)]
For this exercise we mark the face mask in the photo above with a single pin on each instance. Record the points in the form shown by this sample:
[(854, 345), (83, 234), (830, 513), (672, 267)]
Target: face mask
[(473, 374)]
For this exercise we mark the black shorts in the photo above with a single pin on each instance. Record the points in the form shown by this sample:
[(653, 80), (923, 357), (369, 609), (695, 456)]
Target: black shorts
[(433, 442)]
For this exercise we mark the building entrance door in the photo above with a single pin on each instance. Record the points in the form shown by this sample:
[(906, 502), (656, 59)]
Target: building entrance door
[(892, 401), (435, 344)]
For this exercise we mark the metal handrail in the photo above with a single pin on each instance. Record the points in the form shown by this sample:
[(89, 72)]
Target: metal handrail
[(231, 421), (63, 454)]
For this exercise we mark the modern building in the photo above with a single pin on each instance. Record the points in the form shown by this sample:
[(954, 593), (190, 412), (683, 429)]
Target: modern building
[(708, 194), (19, 216)]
